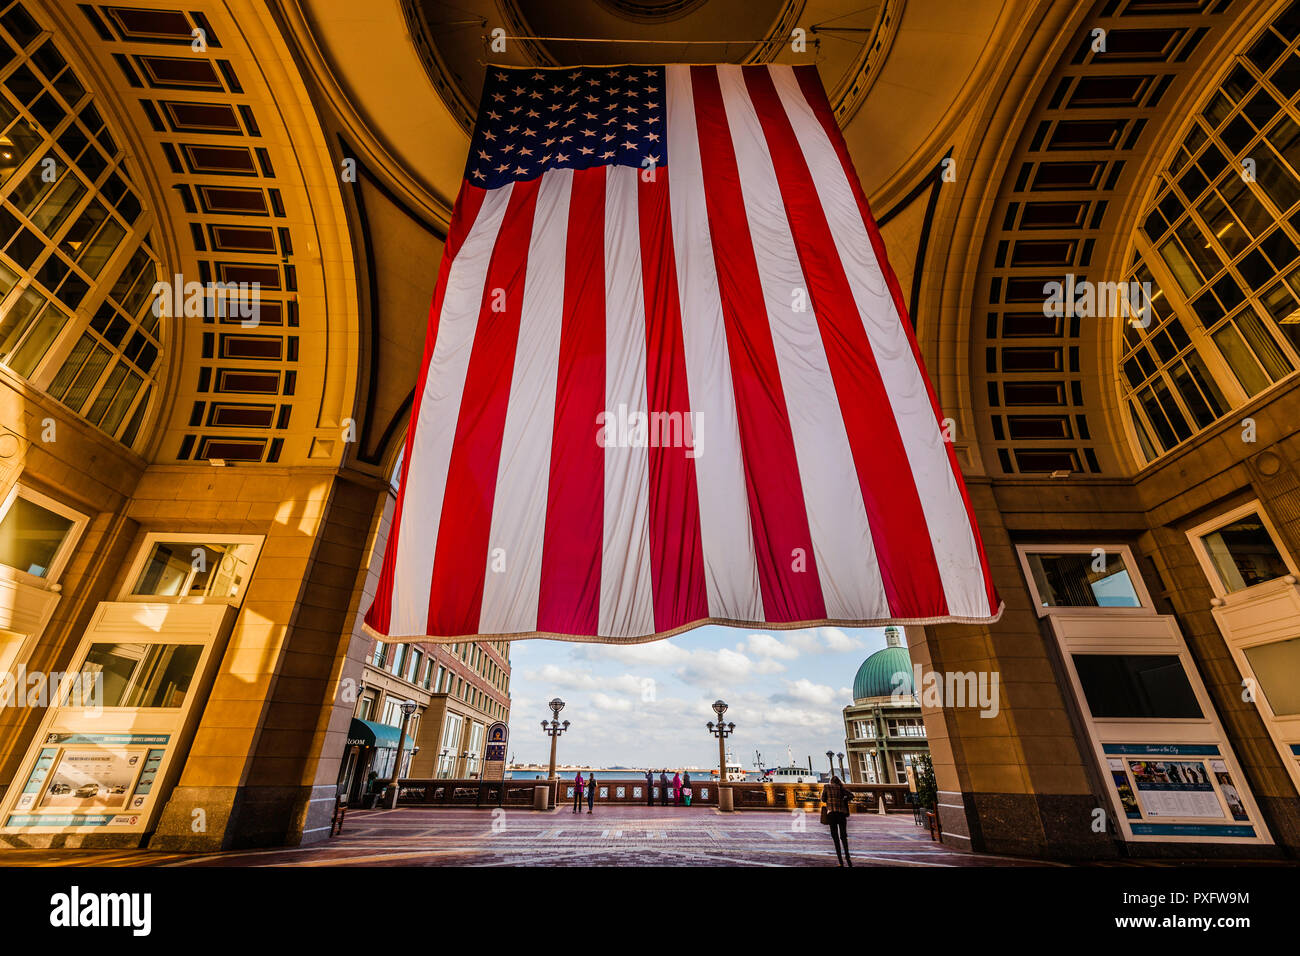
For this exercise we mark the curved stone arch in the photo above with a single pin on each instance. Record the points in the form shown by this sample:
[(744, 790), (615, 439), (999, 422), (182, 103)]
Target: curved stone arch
[(297, 384), (1056, 378)]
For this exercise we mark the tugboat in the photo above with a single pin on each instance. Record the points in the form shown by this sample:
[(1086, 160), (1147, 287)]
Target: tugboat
[(735, 772)]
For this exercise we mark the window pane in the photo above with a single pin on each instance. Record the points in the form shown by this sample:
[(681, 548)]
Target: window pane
[(1239, 359), (1082, 580), (1277, 669), (17, 318), (1243, 554), (30, 536), (1136, 686), (38, 341), (143, 675), (59, 206), (195, 569)]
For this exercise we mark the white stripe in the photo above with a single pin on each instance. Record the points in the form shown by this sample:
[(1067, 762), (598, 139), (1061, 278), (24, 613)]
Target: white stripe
[(727, 538), (837, 516), (626, 594), (512, 578), (426, 477), (945, 511)]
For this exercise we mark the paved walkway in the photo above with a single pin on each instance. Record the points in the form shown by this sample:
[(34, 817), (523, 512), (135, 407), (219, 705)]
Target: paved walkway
[(612, 836)]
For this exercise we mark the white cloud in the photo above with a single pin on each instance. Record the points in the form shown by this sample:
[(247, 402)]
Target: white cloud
[(767, 646), (605, 702), (715, 668), (808, 692)]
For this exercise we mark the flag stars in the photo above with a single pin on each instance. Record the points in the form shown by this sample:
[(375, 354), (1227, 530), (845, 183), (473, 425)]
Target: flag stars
[(541, 116)]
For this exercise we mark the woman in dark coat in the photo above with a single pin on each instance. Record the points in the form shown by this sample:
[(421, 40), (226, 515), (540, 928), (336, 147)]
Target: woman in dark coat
[(649, 788), (663, 787), (835, 798), (591, 792)]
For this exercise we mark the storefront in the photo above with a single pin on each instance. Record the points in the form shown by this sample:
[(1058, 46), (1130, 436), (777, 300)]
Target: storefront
[(372, 748)]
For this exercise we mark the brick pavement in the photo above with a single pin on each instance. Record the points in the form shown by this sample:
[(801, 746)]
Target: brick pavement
[(612, 836)]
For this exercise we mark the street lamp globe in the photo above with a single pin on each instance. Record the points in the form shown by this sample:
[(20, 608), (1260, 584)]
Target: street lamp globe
[(409, 707), (556, 706), (719, 707)]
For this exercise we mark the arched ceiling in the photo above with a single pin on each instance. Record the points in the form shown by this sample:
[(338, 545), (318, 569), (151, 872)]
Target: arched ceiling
[(898, 71), (298, 87)]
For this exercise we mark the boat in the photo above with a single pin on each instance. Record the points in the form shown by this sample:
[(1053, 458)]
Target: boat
[(790, 773), (735, 772)]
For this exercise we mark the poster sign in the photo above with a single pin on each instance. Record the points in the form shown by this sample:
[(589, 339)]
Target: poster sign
[(1181, 789), (494, 757), (1175, 788), (89, 780)]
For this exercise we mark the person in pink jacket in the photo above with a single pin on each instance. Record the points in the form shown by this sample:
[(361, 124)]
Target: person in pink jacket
[(577, 793), (677, 789)]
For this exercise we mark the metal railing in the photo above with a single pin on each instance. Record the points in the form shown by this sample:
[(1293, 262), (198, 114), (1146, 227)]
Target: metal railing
[(704, 793)]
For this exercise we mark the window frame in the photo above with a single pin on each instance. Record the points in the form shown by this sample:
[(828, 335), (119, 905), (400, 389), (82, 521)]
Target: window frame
[(1196, 537), (1145, 606), (152, 538), (50, 580)]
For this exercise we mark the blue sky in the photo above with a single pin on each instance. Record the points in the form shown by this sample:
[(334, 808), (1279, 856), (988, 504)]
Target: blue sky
[(647, 704)]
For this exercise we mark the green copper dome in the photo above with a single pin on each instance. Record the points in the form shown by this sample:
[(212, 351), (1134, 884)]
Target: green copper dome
[(876, 676)]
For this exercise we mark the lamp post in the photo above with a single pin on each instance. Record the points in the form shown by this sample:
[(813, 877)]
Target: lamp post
[(722, 732), (843, 777), (408, 708), (553, 728)]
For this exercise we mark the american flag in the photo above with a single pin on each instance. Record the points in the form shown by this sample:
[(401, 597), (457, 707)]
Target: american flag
[(668, 378)]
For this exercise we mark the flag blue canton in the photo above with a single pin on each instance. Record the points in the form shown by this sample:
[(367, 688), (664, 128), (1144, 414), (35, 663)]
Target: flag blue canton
[(531, 121)]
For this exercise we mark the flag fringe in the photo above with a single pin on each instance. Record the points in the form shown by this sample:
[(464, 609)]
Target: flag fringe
[(661, 635)]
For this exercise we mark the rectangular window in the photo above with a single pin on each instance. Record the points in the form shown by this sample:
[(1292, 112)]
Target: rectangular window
[(1276, 667), (195, 569), (1136, 686), (32, 536), (143, 675), (1243, 554), (1083, 579)]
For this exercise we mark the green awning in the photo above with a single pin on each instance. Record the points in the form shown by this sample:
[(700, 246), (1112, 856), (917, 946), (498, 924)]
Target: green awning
[(367, 733)]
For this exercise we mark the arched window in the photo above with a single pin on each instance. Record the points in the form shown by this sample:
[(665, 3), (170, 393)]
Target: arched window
[(76, 269), (1218, 248)]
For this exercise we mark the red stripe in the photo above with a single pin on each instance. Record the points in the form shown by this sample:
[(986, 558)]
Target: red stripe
[(569, 602), (676, 548), (460, 556), (776, 501), (810, 84), (899, 532), (463, 215)]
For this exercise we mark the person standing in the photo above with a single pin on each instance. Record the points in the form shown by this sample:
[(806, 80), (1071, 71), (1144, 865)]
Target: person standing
[(577, 793), (663, 787), (686, 788), (677, 789), (591, 792), (649, 788), (835, 814)]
